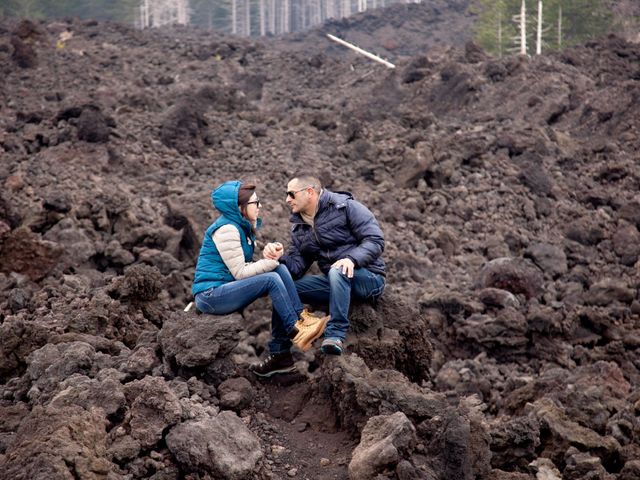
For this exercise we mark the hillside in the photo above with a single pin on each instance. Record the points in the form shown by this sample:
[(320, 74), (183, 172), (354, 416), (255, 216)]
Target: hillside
[(505, 346)]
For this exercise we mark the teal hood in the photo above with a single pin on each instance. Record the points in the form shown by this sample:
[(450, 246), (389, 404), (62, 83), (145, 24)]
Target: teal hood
[(211, 270), (225, 200)]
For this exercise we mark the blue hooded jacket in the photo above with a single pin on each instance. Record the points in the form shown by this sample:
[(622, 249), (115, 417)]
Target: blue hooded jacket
[(210, 269), (343, 228)]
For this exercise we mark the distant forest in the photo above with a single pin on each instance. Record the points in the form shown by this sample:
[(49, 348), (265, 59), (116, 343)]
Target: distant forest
[(561, 22), (497, 29)]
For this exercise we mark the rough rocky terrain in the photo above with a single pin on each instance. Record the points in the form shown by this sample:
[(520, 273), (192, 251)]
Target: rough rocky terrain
[(506, 345)]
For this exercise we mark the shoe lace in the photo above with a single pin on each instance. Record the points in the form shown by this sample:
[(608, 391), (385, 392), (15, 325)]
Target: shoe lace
[(267, 361), (310, 322)]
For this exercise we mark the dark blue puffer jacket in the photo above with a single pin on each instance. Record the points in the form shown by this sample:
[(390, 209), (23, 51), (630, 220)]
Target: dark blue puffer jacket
[(343, 228)]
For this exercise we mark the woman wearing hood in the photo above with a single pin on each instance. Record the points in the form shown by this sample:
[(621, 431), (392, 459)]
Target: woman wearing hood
[(227, 279)]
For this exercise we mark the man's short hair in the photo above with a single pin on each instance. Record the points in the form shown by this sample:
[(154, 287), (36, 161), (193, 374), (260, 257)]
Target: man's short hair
[(308, 180)]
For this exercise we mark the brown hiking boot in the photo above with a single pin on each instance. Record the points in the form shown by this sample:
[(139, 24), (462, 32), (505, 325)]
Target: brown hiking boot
[(309, 329), (305, 316), (273, 364)]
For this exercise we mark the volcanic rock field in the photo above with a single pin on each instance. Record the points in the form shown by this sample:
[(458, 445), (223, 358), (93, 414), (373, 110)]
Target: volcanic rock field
[(506, 345)]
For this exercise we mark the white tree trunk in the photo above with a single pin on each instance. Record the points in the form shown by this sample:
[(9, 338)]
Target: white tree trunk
[(303, 16), (155, 13), (182, 12), (523, 29), (500, 33), (234, 15), (361, 51), (272, 16), (539, 32), (247, 18), (263, 25), (559, 26)]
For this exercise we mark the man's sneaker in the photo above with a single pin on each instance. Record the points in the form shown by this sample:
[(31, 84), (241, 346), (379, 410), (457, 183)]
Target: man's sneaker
[(332, 346), (274, 363), (309, 329)]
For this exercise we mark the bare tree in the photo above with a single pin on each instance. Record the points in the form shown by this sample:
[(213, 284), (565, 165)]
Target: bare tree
[(559, 26), (247, 18), (234, 16), (539, 29), (155, 13), (521, 20)]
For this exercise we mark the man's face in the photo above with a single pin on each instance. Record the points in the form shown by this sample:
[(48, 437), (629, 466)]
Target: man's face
[(301, 200)]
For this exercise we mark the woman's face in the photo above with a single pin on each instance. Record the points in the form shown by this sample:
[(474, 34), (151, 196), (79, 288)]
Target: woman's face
[(253, 208)]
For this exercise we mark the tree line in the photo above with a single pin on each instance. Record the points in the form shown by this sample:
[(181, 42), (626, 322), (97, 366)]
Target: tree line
[(117, 10), (563, 23), (499, 27)]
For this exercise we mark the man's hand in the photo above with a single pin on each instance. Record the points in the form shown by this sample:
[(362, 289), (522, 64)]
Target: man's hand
[(346, 266), (273, 251)]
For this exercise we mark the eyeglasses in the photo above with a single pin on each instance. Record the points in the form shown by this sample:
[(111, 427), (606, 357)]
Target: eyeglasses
[(256, 202), (292, 193)]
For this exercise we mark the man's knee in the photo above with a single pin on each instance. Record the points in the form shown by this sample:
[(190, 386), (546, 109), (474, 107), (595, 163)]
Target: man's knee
[(336, 276)]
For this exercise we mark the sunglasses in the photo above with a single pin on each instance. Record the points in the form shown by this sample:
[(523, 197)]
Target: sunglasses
[(292, 193), (256, 202)]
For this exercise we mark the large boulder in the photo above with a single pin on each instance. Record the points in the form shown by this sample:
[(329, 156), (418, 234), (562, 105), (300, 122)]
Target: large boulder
[(457, 441), (18, 338), (50, 365), (384, 441), (550, 259), (192, 343), (392, 334), (358, 393), (221, 446), (55, 443), (106, 393), (24, 252), (516, 275), (153, 407)]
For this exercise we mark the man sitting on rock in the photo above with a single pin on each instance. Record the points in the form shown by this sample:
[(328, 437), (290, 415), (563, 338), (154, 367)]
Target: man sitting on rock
[(344, 237)]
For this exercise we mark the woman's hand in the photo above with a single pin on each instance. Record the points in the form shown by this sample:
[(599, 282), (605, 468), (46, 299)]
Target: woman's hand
[(273, 251)]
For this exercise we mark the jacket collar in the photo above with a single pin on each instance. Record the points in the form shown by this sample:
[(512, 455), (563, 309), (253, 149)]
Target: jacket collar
[(327, 197)]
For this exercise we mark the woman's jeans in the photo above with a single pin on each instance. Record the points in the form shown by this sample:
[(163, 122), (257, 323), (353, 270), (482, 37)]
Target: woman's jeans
[(336, 289), (233, 296)]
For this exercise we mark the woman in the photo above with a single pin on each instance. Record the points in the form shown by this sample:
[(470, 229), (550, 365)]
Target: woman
[(227, 279)]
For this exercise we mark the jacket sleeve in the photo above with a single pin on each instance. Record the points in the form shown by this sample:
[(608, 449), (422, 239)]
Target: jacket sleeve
[(295, 261), (367, 231), (227, 240)]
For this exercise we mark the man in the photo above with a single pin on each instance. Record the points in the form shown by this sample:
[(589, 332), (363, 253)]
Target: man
[(344, 238)]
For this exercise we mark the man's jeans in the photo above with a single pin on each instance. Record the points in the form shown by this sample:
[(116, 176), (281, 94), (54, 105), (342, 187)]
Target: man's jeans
[(233, 296), (336, 290)]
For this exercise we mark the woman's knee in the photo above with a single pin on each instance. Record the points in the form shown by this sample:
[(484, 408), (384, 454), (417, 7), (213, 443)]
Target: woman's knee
[(273, 280), (282, 270)]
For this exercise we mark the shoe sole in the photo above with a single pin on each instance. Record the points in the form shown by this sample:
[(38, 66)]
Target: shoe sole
[(275, 372), (307, 344)]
